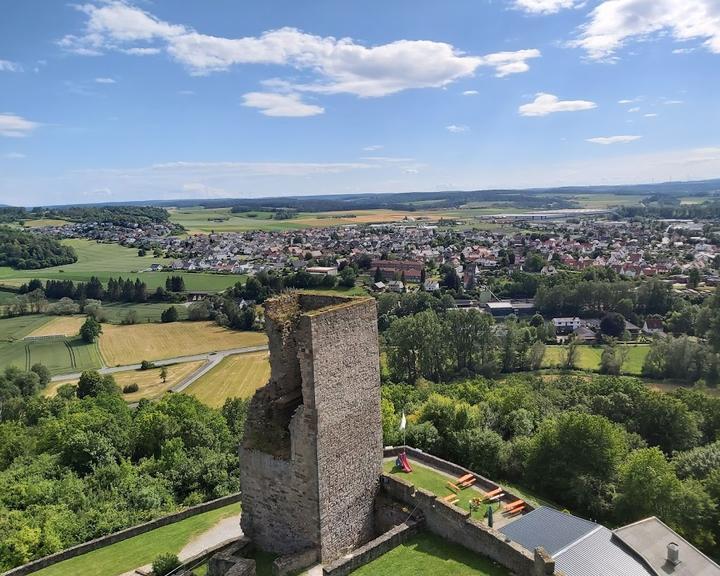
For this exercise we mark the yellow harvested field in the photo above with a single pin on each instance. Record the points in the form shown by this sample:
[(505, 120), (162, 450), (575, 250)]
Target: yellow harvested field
[(236, 376), (149, 381), (365, 217), (60, 326), (120, 345)]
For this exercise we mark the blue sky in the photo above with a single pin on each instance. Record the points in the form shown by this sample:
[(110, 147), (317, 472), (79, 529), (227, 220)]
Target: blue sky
[(111, 100)]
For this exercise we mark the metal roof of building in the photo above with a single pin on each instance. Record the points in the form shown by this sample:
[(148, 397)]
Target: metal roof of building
[(650, 537), (599, 554), (549, 528), (579, 547)]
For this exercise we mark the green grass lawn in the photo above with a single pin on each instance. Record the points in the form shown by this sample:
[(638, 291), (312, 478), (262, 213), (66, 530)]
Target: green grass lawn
[(589, 358), (435, 482), (7, 297), (140, 550), (110, 261), (431, 555), (150, 312), (18, 328)]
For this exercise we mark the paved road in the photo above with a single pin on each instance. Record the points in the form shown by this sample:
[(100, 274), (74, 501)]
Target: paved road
[(213, 358)]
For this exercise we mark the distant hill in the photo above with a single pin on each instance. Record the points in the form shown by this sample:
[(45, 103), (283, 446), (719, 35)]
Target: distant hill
[(526, 198)]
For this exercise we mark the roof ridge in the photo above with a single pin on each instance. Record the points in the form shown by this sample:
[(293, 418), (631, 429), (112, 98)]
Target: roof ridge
[(578, 540)]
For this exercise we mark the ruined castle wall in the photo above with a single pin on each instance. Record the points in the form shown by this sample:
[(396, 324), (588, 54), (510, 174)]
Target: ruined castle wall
[(346, 378), (312, 453), (280, 497)]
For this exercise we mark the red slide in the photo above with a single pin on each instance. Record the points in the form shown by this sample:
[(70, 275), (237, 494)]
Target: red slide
[(404, 464)]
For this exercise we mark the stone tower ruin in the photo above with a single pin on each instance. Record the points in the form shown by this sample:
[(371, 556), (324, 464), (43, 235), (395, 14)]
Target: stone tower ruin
[(312, 450)]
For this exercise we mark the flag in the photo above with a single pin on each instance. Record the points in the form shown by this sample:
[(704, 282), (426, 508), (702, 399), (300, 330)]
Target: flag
[(403, 422)]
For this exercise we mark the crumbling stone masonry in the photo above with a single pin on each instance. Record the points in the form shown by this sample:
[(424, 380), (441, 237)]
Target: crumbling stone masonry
[(312, 453)]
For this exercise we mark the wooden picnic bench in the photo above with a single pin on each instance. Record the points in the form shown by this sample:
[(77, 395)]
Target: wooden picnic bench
[(513, 504), (515, 510), (493, 493), (451, 499), (453, 487)]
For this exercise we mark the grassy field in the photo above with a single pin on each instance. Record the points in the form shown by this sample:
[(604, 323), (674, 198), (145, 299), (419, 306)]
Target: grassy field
[(149, 381), (110, 261), (122, 345), (589, 358), (150, 312), (59, 355), (236, 376), (427, 554), (7, 297), (39, 223), (201, 220), (17, 328), (140, 550), (60, 325)]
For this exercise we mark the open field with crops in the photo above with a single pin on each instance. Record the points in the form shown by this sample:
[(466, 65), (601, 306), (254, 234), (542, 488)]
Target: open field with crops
[(110, 261), (205, 220), (202, 220), (149, 382), (122, 345), (236, 376), (59, 355), (60, 326), (19, 327)]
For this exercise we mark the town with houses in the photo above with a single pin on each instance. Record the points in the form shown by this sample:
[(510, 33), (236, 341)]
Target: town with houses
[(669, 249)]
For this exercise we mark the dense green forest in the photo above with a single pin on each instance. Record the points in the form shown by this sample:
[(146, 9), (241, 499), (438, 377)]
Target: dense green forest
[(84, 464), (120, 215), (27, 251), (9, 214), (607, 448)]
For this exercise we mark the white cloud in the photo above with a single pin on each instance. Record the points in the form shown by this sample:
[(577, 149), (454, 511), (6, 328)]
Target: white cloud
[(455, 129), (544, 6), (15, 155), (105, 81), (373, 147), (141, 51), (605, 140), (631, 100), (506, 63), (7, 66), (545, 104), (674, 102), (288, 105), (613, 23), (340, 65), (651, 115), (470, 93), (683, 50), (15, 126), (635, 109)]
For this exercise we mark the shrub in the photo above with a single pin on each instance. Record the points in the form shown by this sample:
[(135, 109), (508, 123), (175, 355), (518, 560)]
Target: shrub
[(169, 315), (164, 564), (130, 388), (146, 365)]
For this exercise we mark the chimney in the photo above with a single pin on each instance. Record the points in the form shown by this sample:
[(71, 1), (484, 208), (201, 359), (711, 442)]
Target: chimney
[(673, 553)]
